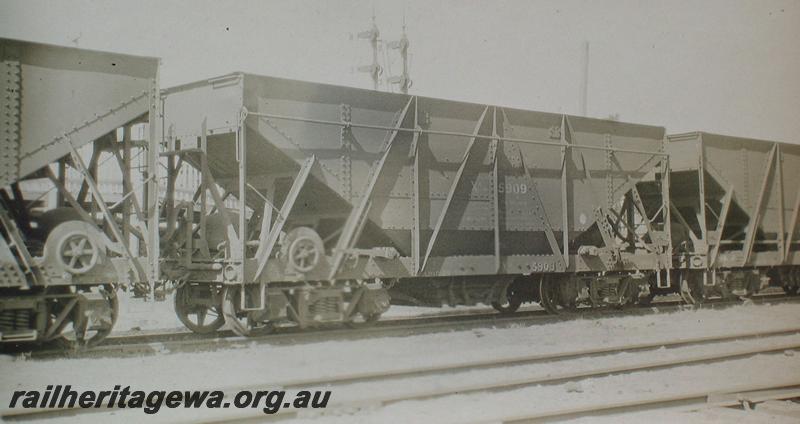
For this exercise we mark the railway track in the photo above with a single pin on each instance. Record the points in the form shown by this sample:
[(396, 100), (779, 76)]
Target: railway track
[(184, 341), (190, 342), (765, 346), (655, 355), (745, 394)]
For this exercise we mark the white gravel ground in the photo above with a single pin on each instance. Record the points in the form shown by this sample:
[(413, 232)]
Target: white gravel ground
[(259, 365), (138, 314), (773, 412)]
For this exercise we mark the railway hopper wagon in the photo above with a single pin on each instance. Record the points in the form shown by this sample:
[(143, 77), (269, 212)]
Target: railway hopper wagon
[(59, 267), (349, 200), (735, 205)]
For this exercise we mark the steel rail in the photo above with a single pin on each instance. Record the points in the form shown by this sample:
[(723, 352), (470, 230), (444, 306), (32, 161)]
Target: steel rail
[(751, 393), (503, 385), (485, 364), (380, 401), (140, 344), (450, 133), (533, 358), (550, 379)]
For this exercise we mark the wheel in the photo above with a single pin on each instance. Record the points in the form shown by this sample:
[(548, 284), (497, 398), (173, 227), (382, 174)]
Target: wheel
[(302, 249), (77, 253), (248, 323), (93, 324), (259, 328), (550, 297), (75, 247), (786, 279), (303, 254), (647, 300), (196, 307), (366, 321), (691, 288), (629, 294), (753, 285), (509, 306)]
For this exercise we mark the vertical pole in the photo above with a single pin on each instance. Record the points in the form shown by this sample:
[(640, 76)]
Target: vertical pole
[(405, 81), (203, 179), (416, 216), (169, 196), (564, 193), (665, 193), (126, 182), (151, 193), (374, 44), (495, 193), (781, 212), (702, 193), (242, 194)]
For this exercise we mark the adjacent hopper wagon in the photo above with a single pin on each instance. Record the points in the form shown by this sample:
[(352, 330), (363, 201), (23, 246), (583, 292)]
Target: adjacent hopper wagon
[(735, 202), (58, 267)]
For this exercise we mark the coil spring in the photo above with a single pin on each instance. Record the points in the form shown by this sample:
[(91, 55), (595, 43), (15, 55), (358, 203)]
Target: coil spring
[(607, 290), (14, 319), (325, 305)]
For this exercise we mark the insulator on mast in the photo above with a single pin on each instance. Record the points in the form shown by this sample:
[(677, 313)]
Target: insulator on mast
[(403, 80), (375, 70)]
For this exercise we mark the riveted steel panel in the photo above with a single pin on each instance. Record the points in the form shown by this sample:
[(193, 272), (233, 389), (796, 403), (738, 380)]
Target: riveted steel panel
[(11, 274), (9, 114), (69, 94)]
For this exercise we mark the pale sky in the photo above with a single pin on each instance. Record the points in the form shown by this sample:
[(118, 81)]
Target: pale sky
[(725, 66)]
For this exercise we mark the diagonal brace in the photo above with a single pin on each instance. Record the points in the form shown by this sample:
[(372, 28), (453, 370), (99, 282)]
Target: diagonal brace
[(453, 187), (755, 218), (358, 213), (262, 255)]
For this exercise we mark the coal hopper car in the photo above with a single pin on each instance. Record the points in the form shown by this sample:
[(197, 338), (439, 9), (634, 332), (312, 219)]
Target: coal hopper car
[(320, 203), (60, 264), (735, 204)]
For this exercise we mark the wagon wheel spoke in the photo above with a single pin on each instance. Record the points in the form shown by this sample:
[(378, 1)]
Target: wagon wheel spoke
[(75, 252), (303, 253), (243, 324), (509, 305), (93, 324), (201, 316), (194, 309)]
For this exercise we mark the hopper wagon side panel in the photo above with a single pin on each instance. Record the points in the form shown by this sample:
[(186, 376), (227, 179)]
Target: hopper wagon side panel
[(352, 200), (466, 217)]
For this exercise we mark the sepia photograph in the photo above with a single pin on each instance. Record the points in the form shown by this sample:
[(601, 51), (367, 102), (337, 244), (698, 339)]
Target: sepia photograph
[(400, 211)]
